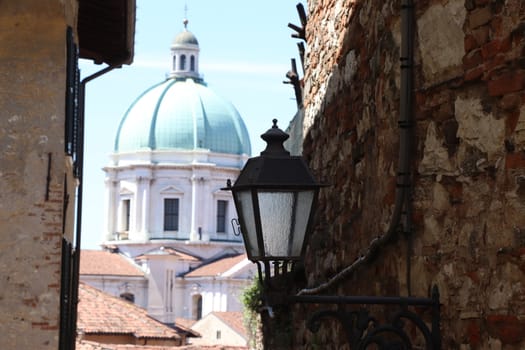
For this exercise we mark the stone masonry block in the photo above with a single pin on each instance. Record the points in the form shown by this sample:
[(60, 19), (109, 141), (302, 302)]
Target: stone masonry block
[(507, 83), (479, 17)]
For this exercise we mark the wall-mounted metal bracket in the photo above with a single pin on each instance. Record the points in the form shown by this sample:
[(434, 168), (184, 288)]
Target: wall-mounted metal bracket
[(364, 331)]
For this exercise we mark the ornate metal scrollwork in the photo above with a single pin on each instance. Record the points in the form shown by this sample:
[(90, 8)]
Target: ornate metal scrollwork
[(362, 330)]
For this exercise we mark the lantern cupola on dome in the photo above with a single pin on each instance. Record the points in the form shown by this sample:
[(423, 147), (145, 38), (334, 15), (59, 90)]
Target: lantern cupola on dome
[(181, 113), (185, 54)]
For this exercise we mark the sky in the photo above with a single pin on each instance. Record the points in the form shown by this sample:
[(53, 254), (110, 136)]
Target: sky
[(245, 52)]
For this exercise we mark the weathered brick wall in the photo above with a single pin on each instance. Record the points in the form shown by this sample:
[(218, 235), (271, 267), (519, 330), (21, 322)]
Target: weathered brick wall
[(468, 166), (32, 75)]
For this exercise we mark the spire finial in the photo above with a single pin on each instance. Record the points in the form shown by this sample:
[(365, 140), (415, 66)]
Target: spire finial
[(185, 17)]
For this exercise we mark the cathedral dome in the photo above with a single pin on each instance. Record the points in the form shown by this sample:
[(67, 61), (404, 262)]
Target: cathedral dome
[(184, 115)]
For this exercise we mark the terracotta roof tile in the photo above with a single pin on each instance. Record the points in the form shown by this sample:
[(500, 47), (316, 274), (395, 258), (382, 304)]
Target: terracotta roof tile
[(211, 347), (216, 267), (101, 313), (184, 322), (89, 345), (233, 319), (100, 262)]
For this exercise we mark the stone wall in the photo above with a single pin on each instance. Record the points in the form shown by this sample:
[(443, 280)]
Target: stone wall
[(33, 168), (468, 166)]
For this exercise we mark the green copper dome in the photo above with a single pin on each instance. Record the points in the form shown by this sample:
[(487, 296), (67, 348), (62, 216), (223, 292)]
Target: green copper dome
[(182, 114)]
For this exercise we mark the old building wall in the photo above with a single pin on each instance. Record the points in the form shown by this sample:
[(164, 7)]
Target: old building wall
[(32, 169), (468, 161)]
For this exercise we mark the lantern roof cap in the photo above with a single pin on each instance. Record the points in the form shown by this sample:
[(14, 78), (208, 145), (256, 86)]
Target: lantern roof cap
[(275, 168), (275, 138)]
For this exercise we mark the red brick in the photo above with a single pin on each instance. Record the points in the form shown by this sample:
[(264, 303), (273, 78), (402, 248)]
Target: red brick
[(420, 98), (510, 101), (496, 25), (511, 121), (494, 47), (521, 251), (472, 59), (474, 74), (473, 333), (506, 328), (33, 302), (515, 161), (492, 66), (481, 35), (50, 328), (39, 324), (479, 17), (470, 43), (506, 83)]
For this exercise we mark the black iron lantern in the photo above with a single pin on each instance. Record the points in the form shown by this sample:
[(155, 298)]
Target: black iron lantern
[(274, 196)]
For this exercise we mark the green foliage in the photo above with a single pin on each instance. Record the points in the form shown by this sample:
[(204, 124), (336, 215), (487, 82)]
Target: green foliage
[(252, 301), (252, 296)]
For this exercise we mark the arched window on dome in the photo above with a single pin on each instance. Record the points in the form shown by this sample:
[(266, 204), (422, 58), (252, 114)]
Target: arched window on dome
[(192, 63), (182, 62), (174, 62)]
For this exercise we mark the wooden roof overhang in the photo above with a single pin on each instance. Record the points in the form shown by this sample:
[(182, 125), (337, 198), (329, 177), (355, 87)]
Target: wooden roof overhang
[(106, 31)]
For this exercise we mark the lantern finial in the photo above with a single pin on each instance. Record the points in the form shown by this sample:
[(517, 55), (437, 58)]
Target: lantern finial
[(275, 138)]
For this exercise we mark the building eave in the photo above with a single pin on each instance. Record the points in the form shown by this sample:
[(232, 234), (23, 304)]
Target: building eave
[(106, 31)]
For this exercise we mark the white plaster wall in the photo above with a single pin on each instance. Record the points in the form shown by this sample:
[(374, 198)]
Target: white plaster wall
[(218, 294), (209, 327), (115, 285)]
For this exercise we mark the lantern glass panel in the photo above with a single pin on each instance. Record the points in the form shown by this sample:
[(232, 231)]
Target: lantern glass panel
[(246, 213), (284, 217)]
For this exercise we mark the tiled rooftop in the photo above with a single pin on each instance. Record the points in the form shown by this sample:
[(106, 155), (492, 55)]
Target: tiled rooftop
[(99, 313), (211, 347), (87, 345), (100, 262), (233, 319), (184, 322), (216, 267)]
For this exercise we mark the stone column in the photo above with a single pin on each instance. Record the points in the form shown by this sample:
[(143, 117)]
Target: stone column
[(141, 208), (194, 234), (145, 229), (111, 207)]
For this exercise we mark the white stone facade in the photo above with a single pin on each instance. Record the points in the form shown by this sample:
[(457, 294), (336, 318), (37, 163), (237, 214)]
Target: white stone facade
[(137, 188)]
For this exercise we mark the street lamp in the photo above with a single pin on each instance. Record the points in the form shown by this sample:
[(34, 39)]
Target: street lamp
[(275, 196)]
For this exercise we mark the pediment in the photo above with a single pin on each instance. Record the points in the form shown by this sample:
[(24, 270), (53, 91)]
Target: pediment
[(221, 192), (171, 190), (124, 191)]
